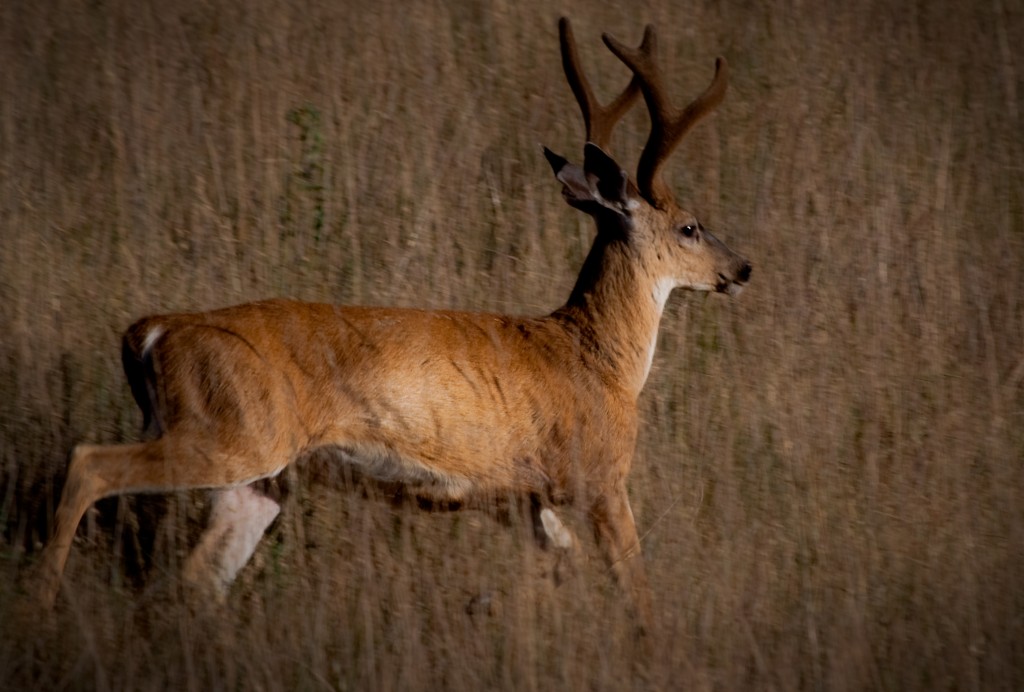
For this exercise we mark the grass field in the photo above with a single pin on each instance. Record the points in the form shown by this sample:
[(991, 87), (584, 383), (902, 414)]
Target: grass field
[(830, 474)]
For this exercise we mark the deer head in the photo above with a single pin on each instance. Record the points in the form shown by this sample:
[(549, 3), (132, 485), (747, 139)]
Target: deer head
[(677, 251)]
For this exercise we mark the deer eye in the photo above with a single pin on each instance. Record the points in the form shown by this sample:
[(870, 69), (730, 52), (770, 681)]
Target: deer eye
[(688, 231)]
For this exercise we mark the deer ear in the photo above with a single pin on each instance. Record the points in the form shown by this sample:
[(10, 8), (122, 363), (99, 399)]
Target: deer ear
[(575, 187), (607, 176), (601, 185)]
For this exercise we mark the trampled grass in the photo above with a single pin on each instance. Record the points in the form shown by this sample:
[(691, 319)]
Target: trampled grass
[(830, 475)]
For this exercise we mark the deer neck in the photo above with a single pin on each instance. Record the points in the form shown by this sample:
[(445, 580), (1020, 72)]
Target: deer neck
[(614, 311)]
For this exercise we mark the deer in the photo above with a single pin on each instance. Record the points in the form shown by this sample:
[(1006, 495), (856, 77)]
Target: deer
[(456, 407)]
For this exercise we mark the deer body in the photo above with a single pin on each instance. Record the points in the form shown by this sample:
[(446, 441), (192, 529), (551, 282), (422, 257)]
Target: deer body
[(458, 407), (453, 404)]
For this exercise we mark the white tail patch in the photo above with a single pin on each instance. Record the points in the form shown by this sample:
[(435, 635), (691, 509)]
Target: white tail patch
[(151, 339)]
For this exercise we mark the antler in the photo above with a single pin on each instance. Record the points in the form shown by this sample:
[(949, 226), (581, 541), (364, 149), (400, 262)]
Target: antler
[(599, 120), (668, 124)]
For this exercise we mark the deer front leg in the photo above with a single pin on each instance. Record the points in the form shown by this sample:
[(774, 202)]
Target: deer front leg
[(556, 539), (615, 531)]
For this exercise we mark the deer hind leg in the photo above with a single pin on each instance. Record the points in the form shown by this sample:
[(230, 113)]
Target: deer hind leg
[(237, 521), (162, 465), (615, 530)]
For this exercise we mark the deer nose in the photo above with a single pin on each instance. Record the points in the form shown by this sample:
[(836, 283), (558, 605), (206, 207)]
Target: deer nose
[(744, 274)]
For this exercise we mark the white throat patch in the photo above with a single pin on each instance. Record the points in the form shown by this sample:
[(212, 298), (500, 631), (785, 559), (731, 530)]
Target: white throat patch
[(662, 290)]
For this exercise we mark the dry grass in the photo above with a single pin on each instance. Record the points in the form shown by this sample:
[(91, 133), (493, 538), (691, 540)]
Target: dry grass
[(829, 479)]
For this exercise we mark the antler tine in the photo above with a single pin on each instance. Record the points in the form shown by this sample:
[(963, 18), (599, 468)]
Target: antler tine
[(668, 124), (599, 120)]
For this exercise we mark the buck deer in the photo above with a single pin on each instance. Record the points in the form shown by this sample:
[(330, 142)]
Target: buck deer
[(458, 407)]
